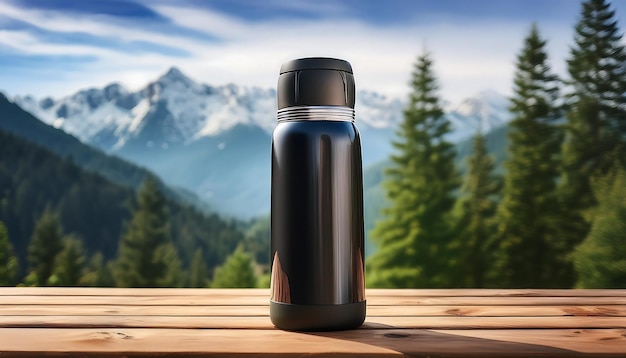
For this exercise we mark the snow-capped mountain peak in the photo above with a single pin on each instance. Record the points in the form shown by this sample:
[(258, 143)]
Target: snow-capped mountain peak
[(483, 103), (376, 110), (174, 74), (176, 110), (482, 112), (114, 90), (174, 77)]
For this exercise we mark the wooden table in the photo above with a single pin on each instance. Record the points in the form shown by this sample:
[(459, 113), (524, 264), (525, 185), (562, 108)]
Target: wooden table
[(420, 323)]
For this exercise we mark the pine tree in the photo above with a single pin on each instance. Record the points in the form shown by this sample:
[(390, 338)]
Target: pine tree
[(44, 246), (477, 222), (173, 268), (198, 276), (97, 274), (257, 240), (531, 253), (69, 263), (596, 115), (237, 271), (601, 258), (8, 261), (413, 237), (141, 258)]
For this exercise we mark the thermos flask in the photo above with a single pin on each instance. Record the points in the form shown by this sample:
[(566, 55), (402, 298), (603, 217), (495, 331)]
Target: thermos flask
[(317, 233)]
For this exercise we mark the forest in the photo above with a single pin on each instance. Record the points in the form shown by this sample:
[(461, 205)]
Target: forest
[(554, 217), (65, 218)]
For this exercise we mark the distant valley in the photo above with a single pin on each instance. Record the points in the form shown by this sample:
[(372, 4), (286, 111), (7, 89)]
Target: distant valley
[(215, 140)]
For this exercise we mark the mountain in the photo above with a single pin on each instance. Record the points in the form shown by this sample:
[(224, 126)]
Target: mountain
[(176, 110), (14, 119), (33, 178), (91, 207), (486, 111), (215, 140)]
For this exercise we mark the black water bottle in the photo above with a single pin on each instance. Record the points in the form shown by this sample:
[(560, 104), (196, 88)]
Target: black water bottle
[(317, 233)]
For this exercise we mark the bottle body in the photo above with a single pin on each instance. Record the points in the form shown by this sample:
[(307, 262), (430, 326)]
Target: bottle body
[(317, 233)]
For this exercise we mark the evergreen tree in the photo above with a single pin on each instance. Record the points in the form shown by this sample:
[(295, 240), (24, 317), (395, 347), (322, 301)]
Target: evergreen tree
[(8, 262), (69, 263), (88, 205), (141, 260), (237, 271), (97, 274), (478, 208), (198, 276), (44, 246), (531, 253), (596, 115), (168, 255), (413, 237), (257, 240), (601, 258), (264, 280)]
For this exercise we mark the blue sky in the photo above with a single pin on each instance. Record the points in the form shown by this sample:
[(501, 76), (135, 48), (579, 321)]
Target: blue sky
[(56, 47)]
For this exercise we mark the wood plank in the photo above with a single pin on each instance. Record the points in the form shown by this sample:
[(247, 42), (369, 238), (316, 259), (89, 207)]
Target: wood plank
[(210, 299), (263, 322), (417, 343), (370, 292), (183, 322), (372, 311), (580, 340)]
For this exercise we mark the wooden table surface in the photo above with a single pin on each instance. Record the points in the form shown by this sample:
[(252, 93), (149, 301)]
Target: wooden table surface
[(107, 322)]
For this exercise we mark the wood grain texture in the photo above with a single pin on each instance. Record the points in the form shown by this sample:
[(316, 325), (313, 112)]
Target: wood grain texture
[(256, 310), (244, 300), (234, 322), (420, 343), (263, 322)]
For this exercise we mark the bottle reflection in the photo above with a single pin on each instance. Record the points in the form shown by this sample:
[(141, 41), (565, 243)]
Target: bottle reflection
[(279, 284)]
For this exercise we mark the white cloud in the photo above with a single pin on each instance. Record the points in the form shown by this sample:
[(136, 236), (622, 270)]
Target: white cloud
[(311, 7), (97, 25), (468, 57), (27, 43), (220, 25)]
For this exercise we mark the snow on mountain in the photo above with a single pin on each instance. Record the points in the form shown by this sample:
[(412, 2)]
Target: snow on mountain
[(485, 112), (377, 111), (112, 116), (196, 110), (202, 110), (215, 140), (86, 113)]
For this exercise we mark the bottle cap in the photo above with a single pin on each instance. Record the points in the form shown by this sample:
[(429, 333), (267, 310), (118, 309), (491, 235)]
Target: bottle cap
[(316, 81)]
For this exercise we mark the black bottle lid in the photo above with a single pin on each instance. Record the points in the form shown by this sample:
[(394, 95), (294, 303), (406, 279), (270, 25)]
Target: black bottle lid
[(316, 81)]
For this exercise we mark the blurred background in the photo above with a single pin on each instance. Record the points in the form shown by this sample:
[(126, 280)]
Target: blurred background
[(135, 139)]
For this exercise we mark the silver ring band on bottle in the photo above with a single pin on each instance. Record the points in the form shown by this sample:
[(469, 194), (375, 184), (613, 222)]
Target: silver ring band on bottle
[(316, 113)]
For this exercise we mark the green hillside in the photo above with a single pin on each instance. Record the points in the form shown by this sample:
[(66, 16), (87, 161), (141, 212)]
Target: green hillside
[(14, 119), (90, 206)]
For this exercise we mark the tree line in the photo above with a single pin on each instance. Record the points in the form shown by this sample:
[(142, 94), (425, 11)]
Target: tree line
[(67, 226), (147, 256), (557, 218)]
